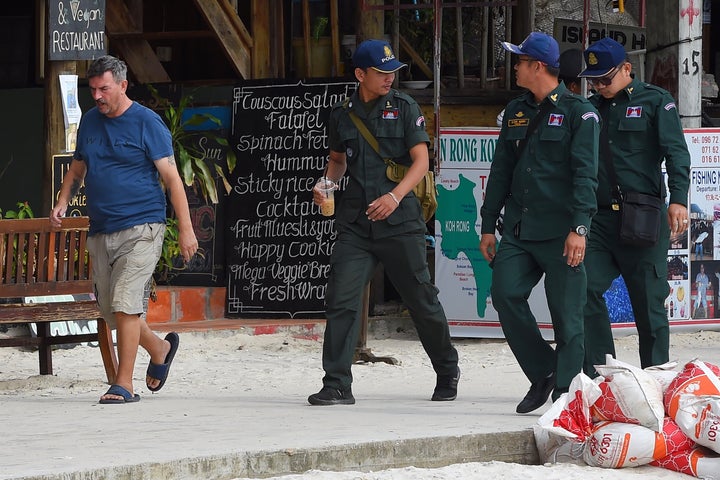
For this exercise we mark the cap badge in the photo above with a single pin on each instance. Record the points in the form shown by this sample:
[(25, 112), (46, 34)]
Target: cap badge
[(592, 59)]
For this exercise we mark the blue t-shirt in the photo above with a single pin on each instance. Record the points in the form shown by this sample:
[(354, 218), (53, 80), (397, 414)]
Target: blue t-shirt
[(122, 184)]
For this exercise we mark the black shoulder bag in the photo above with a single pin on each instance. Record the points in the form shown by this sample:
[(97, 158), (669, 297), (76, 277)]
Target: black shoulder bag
[(639, 212)]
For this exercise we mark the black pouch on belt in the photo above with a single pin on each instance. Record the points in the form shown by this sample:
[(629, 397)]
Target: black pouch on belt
[(640, 219)]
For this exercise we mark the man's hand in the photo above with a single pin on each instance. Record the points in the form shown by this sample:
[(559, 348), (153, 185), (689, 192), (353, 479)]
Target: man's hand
[(574, 249), (677, 219), (487, 246), (56, 215)]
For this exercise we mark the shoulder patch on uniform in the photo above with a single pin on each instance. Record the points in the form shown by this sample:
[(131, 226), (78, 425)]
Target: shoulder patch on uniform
[(420, 121), (670, 106), (587, 115)]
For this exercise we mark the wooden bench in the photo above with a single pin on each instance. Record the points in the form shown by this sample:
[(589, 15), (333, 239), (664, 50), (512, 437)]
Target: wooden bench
[(41, 261)]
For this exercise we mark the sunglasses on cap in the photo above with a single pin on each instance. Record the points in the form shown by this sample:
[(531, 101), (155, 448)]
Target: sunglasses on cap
[(607, 79)]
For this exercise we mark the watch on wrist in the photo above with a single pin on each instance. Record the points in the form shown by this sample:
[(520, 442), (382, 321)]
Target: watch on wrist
[(581, 230)]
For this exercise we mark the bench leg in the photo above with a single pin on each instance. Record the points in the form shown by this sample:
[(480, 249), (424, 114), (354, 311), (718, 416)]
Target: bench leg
[(44, 348), (107, 350)]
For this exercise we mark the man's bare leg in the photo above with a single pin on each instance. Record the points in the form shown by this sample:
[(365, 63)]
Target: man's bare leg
[(128, 339)]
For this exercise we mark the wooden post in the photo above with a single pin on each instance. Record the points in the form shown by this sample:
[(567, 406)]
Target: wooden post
[(306, 36), (54, 122), (674, 55), (371, 23), (362, 352)]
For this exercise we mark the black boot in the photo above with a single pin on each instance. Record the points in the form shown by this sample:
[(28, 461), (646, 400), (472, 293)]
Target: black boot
[(446, 387), (332, 396), (537, 395)]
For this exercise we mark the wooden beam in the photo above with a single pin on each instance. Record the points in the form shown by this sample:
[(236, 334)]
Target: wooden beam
[(371, 22), (54, 121), (136, 51), (231, 33), (262, 51), (306, 36), (416, 58), (335, 34)]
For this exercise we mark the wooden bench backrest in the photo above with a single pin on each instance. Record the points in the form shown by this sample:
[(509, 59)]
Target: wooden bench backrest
[(40, 260)]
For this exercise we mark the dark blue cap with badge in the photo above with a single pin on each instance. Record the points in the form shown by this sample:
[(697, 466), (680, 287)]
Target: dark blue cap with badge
[(602, 57), (539, 46), (378, 55)]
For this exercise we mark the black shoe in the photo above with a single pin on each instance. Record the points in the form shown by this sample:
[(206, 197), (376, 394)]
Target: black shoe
[(537, 395), (446, 387), (332, 396)]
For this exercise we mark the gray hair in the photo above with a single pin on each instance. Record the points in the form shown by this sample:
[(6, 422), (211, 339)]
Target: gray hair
[(108, 63)]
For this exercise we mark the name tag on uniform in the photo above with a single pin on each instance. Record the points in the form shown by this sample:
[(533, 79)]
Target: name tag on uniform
[(518, 122), (390, 114)]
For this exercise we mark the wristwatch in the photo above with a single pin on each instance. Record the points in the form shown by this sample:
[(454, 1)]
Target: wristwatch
[(580, 230)]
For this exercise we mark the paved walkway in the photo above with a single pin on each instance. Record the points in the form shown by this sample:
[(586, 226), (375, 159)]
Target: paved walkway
[(235, 406)]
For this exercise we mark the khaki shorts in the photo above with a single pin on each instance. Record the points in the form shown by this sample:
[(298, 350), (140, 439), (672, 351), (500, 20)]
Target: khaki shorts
[(123, 263)]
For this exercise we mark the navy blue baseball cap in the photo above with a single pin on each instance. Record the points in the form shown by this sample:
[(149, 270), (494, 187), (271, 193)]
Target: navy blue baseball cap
[(378, 55), (602, 57), (539, 46)]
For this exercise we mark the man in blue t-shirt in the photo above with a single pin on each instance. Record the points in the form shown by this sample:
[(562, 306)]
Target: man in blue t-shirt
[(123, 150)]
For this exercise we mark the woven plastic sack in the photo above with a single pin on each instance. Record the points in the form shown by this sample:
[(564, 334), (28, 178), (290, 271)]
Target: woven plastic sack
[(629, 395)]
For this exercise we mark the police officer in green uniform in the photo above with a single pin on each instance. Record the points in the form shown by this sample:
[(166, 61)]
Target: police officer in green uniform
[(378, 220), (641, 129), (546, 182)]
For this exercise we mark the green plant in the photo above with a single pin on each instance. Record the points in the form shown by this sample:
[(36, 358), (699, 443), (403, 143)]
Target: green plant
[(190, 159), (169, 257), (23, 211), (319, 26), (193, 169)]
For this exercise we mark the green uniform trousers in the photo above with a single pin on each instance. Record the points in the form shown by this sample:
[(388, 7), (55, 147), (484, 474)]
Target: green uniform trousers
[(352, 264), (644, 270), (517, 268)]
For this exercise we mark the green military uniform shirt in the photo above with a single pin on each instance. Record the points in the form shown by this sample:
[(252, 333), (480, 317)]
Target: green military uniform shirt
[(549, 187), (398, 124), (644, 129)]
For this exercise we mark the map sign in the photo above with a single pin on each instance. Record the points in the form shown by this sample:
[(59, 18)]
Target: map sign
[(463, 276)]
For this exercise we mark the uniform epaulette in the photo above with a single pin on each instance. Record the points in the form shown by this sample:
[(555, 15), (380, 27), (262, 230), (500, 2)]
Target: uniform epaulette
[(341, 104), (650, 86), (402, 96), (578, 98)]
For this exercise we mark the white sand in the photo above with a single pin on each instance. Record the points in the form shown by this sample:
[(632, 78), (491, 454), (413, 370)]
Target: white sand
[(231, 374)]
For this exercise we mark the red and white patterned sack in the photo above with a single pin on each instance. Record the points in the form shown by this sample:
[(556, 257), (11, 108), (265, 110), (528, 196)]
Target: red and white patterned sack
[(629, 395), (619, 445), (696, 378), (698, 462)]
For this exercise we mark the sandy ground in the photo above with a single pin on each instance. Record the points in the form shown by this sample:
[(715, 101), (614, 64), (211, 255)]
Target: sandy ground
[(231, 374)]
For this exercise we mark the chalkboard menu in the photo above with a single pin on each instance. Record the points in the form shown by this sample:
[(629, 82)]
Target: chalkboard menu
[(208, 268), (76, 29), (78, 204), (277, 242)]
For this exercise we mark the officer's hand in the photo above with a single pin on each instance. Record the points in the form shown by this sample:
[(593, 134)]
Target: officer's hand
[(381, 208), (487, 246), (677, 219), (574, 249)]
